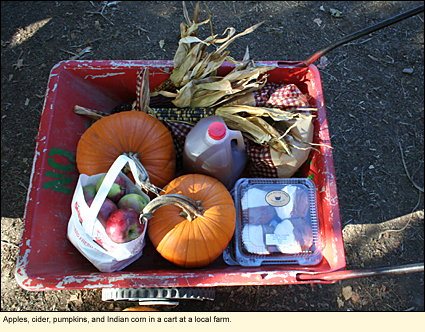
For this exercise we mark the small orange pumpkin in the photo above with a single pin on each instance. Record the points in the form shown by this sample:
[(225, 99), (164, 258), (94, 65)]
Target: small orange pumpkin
[(198, 235), (125, 132)]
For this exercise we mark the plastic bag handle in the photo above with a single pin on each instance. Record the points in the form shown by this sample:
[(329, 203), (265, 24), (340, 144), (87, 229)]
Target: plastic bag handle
[(103, 191)]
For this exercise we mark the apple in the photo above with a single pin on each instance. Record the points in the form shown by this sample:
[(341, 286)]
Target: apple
[(89, 192), (132, 201), (124, 225), (107, 208), (117, 190)]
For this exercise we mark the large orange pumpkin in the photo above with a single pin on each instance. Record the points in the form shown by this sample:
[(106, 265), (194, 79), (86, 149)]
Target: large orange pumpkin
[(130, 131), (200, 233)]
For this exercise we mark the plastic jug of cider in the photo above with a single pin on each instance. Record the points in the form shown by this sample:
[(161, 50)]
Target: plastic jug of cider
[(213, 149)]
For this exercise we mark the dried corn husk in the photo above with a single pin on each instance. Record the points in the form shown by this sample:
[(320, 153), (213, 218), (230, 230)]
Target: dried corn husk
[(194, 72), (191, 61), (213, 91), (142, 93), (274, 113), (93, 114), (269, 126)]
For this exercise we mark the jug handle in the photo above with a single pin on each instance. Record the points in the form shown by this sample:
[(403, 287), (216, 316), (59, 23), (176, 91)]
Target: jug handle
[(234, 134)]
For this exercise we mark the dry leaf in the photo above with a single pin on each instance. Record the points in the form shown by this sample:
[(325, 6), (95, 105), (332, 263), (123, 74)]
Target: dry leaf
[(340, 302), (318, 21), (347, 292), (19, 64), (324, 62), (335, 12), (355, 297), (75, 298), (161, 43)]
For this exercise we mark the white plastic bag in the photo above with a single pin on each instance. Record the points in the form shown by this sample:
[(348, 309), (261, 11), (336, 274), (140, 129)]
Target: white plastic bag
[(86, 232)]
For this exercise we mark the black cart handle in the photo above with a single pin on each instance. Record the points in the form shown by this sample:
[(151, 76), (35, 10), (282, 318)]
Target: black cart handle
[(361, 33)]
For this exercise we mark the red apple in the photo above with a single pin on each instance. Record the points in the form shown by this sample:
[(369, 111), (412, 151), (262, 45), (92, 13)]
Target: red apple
[(117, 190), (123, 226), (135, 202), (105, 210), (89, 192)]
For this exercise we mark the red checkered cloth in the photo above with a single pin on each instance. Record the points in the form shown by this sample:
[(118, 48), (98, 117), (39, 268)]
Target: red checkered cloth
[(260, 164), (276, 95)]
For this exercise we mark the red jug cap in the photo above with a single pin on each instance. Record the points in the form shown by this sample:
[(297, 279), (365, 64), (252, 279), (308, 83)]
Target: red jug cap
[(217, 130)]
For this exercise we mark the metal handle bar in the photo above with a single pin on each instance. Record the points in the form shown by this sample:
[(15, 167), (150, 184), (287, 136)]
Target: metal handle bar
[(351, 274), (361, 33)]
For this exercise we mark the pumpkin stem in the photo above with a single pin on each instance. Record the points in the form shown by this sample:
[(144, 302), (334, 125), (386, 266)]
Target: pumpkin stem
[(191, 209), (143, 177)]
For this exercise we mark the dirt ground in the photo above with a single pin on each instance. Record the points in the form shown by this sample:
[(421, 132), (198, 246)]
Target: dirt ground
[(374, 95)]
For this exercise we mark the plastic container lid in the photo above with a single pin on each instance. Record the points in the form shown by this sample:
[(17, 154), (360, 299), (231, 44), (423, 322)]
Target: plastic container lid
[(217, 130), (276, 223)]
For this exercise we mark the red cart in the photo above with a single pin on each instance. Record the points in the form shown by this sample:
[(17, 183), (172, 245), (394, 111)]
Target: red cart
[(48, 261)]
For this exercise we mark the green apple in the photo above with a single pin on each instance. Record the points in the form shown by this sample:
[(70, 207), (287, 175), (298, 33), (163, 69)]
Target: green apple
[(89, 192), (135, 202), (117, 190)]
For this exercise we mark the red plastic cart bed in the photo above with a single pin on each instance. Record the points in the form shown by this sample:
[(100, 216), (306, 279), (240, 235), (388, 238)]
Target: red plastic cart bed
[(48, 261)]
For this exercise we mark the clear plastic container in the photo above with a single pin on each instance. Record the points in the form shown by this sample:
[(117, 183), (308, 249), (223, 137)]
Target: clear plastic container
[(213, 149), (276, 223)]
